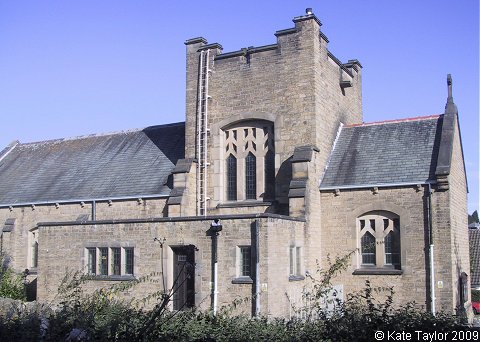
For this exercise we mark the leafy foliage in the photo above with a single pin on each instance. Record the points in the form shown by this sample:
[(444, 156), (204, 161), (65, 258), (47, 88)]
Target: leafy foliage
[(11, 283), (102, 316)]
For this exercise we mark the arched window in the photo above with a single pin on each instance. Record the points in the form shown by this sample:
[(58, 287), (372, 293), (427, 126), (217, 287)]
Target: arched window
[(368, 249), (250, 161), (379, 239), (250, 177), (231, 178)]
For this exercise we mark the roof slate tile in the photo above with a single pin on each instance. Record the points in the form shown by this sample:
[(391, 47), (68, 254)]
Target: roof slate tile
[(124, 164), (385, 153)]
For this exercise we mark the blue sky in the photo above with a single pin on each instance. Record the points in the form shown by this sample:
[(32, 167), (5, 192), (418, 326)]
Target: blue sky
[(70, 68)]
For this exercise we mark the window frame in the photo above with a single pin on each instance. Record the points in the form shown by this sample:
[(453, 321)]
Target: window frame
[(244, 259), (296, 269), (110, 262), (385, 231), (251, 143)]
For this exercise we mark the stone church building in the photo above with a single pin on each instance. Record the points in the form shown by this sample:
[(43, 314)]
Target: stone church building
[(275, 153)]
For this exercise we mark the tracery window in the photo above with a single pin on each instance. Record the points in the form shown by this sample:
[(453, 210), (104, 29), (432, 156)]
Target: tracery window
[(231, 178), (379, 239), (250, 161)]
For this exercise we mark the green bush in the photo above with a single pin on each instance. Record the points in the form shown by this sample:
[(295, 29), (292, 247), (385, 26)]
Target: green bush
[(11, 283), (102, 316)]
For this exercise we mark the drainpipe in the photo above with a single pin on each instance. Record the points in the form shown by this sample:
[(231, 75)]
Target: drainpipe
[(94, 210), (431, 250), (215, 228), (257, 267)]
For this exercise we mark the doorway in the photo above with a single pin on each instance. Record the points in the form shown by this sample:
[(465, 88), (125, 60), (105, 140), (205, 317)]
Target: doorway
[(183, 277)]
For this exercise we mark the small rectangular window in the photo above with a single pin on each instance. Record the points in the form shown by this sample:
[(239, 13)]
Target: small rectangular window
[(128, 260), (110, 261), (116, 261), (103, 261), (245, 261), (295, 261), (92, 261)]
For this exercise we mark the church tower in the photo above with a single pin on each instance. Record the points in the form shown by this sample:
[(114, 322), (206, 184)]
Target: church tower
[(247, 111)]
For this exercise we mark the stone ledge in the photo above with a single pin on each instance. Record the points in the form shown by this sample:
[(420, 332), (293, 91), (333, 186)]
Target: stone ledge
[(111, 278), (242, 280), (377, 271), (296, 278)]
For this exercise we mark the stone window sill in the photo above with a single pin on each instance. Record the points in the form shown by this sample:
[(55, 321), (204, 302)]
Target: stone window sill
[(246, 203), (242, 280), (296, 278), (377, 271), (111, 277)]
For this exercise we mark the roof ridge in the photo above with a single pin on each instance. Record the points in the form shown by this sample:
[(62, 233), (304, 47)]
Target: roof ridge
[(374, 123), (101, 134)]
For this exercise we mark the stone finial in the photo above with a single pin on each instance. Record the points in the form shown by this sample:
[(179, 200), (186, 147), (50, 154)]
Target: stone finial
[(450, 107), (449, 84)]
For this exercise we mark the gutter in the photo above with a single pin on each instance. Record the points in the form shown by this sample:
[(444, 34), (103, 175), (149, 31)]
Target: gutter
[(71, 201), (380, 185)]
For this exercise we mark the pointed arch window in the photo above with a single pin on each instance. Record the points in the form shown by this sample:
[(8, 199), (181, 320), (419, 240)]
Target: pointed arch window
[(250, 176), (368, 249), (379, 240), (249, 145), (231, 178)]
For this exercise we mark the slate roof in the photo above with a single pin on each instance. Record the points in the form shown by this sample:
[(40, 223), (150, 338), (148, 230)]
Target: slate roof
[(395, 152), (474, 238), (124, 164)]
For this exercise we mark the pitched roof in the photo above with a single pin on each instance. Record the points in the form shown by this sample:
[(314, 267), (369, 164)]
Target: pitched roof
[(474, 238), (384, 153), (124, 164)]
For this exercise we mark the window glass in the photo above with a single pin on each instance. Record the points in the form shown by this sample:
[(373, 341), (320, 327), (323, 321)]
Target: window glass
[(231, 178), (128, 260), (116, 261), (368, 249), (250, 176), (103, 261), (245, 261), (92, 261)]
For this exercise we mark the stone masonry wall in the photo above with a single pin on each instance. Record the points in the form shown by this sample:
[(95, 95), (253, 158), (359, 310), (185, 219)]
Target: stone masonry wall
[(459, 217), (339, 237), (276, 235), (15, 243)]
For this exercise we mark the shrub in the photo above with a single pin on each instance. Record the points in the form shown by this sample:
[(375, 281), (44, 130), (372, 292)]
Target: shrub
[(102, 316), (11, 284)]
